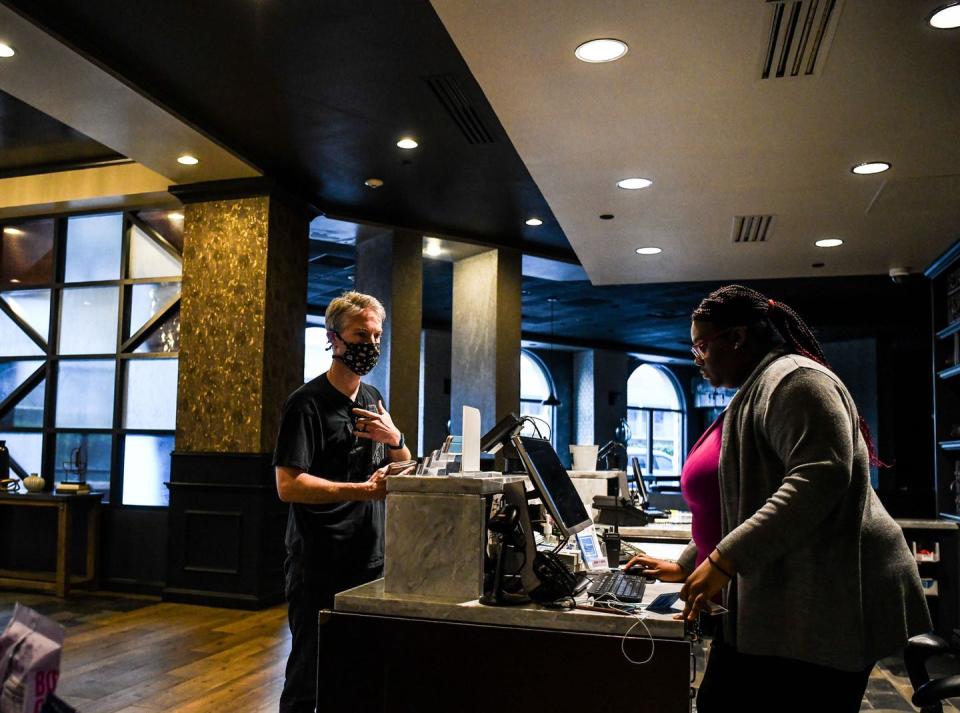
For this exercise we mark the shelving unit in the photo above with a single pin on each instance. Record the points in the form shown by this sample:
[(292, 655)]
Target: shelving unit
[(944, 276), (939, 572)]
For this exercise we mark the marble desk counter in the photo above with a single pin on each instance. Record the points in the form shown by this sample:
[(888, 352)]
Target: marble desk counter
[(371, 599), (658, 531), (907, 524), (466, 484)]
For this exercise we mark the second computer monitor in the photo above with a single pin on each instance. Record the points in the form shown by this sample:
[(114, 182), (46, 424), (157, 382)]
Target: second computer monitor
[(553, 484)]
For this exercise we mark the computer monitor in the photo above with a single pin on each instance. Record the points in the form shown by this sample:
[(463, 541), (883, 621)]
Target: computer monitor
[(553, 484), (638, 478)]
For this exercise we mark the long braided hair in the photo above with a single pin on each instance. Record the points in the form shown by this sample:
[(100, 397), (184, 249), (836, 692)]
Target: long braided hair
[(776, 322)]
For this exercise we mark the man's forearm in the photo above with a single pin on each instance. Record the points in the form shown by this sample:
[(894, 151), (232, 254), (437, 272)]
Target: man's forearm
[(309, 489)]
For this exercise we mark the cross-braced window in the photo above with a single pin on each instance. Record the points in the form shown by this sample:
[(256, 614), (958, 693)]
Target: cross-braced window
[(89, 337)]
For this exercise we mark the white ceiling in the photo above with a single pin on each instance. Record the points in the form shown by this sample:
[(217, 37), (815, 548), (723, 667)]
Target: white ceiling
[(687, 108)]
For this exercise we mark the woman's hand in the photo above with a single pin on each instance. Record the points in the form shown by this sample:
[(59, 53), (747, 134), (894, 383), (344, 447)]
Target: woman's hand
[(704, 584), (663, 570)]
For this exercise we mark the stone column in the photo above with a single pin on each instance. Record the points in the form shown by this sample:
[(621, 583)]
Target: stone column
[(485, 351), (390, 267), (241, 354), (600, 389)]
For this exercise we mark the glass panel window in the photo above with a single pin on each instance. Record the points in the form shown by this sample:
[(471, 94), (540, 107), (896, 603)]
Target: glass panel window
[(26, 253), (88, 320), (150, 397), (316, 359), (33, 307), (639, 422), (148, 259), (84, 456), (533, 382), (93, 248), (14, 373), (146, 469), (165, 338), (28, 411), (85, 394), (147, 300), (14, 341), (649, 387), (26, 449), (169, 223), (667, 432)]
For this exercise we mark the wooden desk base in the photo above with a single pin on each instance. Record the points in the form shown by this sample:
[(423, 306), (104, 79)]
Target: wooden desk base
[(59, 582)]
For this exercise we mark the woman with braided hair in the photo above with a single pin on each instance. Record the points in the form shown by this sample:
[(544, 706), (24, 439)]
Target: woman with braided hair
[(817, 577)]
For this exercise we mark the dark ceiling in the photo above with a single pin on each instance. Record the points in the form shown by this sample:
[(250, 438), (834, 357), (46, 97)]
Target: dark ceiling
[(653, 318), (32, 142), (317, 94)]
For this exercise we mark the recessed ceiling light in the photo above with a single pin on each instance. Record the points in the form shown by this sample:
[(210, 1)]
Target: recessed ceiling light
[(188, 160), (601, 50), (649, 251), (6, 50), (946, 17), (175, 216), (432, 248), (829, 243), (407, 143), (373, 182), (533, 222), (633, 184), (15, 280), (12, 231), (865, 169)]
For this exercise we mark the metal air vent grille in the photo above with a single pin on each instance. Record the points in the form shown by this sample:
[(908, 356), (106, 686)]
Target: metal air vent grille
[(447, 90), (800, 34), (752, 228)]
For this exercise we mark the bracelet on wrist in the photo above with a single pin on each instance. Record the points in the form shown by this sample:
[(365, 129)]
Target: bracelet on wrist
[(714, 563)]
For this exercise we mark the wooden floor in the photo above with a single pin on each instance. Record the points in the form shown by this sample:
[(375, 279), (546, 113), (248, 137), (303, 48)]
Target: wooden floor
[(138, 655), (124, 655)]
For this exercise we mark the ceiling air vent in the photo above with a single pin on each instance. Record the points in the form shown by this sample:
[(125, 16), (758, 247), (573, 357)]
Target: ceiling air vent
[(752, 228), (446, 88), (800, 34)]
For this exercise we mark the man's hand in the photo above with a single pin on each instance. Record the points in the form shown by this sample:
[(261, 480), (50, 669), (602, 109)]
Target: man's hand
[(376, 426), (377, 483), (663, 570), (703, 585)]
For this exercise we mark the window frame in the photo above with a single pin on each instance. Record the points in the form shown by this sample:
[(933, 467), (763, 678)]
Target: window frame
[(551, 388), (648, 473), (124, 349)]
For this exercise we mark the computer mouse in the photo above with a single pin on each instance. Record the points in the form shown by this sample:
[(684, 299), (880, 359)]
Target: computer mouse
[(636, 571)]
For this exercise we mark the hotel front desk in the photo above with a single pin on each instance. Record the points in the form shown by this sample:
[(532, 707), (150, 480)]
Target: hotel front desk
[(419, 639), (416, 654)]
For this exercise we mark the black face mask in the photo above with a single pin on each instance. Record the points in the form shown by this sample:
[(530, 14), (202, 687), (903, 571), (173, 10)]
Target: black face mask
[(360, 358)]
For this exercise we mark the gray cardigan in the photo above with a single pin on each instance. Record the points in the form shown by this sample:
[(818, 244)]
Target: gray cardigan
[(823, 573)]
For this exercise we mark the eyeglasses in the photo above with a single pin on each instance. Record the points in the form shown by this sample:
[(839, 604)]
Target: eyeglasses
[(699, 347)]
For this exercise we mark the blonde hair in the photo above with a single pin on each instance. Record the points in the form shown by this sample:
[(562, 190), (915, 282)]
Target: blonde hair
[(349, 305)]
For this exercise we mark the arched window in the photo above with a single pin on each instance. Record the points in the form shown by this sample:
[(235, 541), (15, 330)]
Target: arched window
[(316, 357), (655, 411), (535, 386)]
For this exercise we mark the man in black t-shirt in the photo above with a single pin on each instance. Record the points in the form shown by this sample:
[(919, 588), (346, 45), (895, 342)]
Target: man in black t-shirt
[(335, 440)]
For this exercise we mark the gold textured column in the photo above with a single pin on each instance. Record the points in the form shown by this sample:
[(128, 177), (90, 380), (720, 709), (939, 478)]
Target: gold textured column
[(242, 320)]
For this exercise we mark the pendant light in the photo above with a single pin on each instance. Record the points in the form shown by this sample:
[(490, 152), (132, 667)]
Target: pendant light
[(552, 399)]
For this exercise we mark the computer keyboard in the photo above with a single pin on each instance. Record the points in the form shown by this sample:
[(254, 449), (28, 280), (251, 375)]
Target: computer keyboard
[(616, 584)]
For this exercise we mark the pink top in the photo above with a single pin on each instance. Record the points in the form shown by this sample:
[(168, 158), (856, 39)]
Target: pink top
[(700, 485)]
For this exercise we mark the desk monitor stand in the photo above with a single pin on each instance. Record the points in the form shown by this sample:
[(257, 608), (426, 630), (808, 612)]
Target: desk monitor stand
[(517, 537)]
